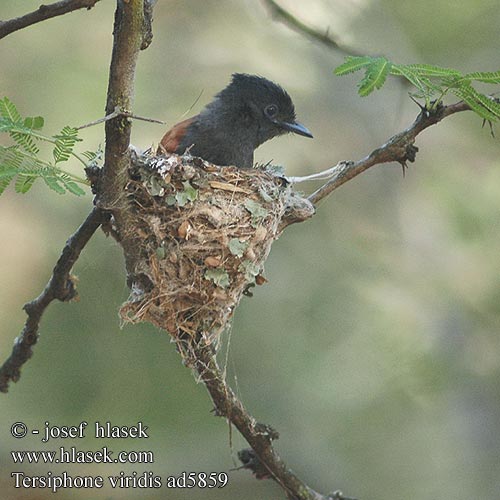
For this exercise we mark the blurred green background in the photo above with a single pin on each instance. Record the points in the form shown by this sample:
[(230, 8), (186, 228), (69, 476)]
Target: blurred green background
[(373, 349)]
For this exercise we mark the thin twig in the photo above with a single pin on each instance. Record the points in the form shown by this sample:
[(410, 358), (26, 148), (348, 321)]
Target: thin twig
[(114, 114), (42, 13), (398, 148), (61, 286), (192, 105), (119, 112), (282, 15)]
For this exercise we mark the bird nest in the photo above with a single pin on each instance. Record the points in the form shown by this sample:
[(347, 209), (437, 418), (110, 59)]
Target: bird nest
[(195, 238)]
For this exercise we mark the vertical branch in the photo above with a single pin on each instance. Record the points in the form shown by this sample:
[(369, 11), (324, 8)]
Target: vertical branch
[(128, 27)]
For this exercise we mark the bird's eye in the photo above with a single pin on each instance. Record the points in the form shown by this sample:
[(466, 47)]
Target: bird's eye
[(271, 110)]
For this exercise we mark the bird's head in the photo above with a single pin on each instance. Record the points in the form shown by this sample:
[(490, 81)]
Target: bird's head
[(261, 105)]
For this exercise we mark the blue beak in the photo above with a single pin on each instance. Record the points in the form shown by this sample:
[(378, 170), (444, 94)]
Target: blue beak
[(295, 127)]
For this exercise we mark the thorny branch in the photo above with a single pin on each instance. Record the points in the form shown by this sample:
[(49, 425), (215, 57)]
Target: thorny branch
[(42, 13), (399, 148)]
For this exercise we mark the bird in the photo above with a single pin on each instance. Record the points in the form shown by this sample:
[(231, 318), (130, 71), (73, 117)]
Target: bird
[(245, 114)]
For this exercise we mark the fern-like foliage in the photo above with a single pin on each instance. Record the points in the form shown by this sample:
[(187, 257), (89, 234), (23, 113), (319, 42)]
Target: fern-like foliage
[(21, 163), (65, 142), (375, 76), (432, 83)]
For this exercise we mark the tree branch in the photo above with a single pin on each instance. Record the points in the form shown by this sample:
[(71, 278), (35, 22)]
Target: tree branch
[(42, 13), (259, 436), (398, 148), (61, 286), (282, 15), (128, 39)]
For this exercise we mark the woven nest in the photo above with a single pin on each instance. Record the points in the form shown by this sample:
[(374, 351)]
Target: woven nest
[(195, 238)]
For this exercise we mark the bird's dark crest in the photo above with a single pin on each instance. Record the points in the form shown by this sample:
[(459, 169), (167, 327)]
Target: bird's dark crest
[(258, 89)]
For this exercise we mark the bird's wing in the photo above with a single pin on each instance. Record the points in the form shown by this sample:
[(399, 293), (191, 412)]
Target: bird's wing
[(172, 139)]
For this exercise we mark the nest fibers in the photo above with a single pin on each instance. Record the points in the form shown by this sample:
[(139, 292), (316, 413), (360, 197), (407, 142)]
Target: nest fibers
[(195, 237)]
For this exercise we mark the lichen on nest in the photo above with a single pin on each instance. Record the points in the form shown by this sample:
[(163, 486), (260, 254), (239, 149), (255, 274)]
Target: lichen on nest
[(195, 238)]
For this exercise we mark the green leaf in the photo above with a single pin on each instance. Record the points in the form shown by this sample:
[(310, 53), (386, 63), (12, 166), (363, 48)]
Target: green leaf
[(6, 176), (375, 76), (489, 103), (24, 183), (10, 157), (73, 187), (419, 81), (352, 64), (94, 157), (33, 122), (90, 155), (154, 186), (171, 200), (188, 194), (190, 191), (53, 183), (218, 276), (9, 111), (431, 71), (181, 198), (5, 125), (255, 208), (7, 170), (161, 253), (65, 142), (22, 159), (484, 76), (25, 141), (237, 247), (257, 211), (479, 103), (451, 82)]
